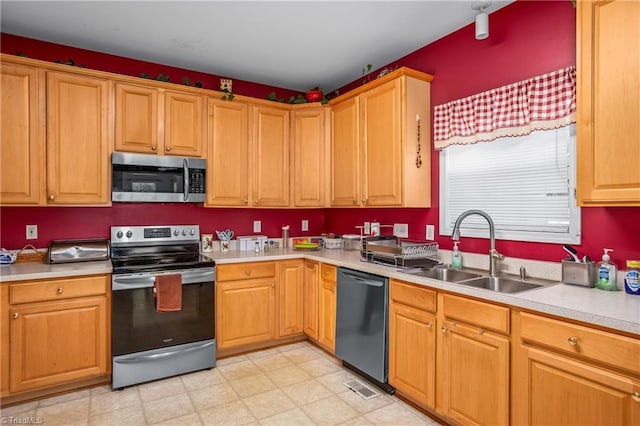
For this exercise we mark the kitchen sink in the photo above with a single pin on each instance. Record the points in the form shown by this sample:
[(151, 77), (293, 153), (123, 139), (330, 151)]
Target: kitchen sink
[(500, 284), (444, 274)]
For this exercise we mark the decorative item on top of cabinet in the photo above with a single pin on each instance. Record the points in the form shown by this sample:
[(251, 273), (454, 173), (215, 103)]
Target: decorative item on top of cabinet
[(375, 141), (608, 125)]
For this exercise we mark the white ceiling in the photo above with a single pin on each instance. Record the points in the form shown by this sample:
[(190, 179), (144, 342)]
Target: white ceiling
[(290, 44)]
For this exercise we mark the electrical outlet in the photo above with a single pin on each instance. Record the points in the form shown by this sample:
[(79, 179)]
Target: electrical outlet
[(431, 231), (401, 230), (32, 232), (305, 225), (257, 226)]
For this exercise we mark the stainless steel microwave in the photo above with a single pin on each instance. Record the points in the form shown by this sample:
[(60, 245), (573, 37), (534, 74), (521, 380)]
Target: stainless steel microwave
[(157, 178)]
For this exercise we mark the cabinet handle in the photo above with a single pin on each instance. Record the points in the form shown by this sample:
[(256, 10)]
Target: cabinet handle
[(153, 147), (255, 203), (572, 341), (168, 148), (636, 396), (59, 290), (246, 201), (444, 329), (247, 272), (355, 201), (15, 315), (429, 324), (51, 197)]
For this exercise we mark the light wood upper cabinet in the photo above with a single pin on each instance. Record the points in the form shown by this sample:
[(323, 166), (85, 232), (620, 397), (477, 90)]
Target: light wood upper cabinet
[(308, 153), (227, 153), (153, 120), (79, 139), (290, 297), (22, 137), (136, 118), (270, 156), (608, 131), (387, 130), (184, 127), (311, 295), (570, 374), (345, 153)]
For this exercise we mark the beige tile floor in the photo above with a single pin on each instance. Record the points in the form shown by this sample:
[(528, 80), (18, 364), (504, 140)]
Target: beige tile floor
[(296, 384)]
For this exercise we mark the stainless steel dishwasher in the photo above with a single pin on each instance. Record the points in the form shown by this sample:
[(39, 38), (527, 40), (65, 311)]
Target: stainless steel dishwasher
[(362, 324)]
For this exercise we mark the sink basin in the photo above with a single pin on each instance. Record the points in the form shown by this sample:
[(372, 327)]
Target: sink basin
[(500, 284), (444, 274)]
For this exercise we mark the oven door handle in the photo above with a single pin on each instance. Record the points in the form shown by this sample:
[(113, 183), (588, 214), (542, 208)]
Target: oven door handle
[(129, 283), (153, 357)]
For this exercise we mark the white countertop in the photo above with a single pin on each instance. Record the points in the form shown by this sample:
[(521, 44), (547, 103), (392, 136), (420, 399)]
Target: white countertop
[(614, 310)]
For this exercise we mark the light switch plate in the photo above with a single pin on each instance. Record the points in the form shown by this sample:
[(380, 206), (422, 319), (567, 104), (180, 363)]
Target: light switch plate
[(367, 228), (257, 226), (431, 230), (401, 230), (305, 225)]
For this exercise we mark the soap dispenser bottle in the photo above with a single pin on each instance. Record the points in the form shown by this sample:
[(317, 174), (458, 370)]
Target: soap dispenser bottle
[(456, 257), (606, 273)]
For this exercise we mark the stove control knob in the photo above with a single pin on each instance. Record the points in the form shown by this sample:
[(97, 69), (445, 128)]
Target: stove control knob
[(129, 234), (192, 232), (176, 232), (119, 234), (184, 232)]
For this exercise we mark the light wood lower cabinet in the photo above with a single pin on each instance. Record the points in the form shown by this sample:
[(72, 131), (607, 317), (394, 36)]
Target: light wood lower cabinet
[(245, 303), (327, 308), (290, 297), (412, 341), (54, 332), (569, 374), (311, 296), (473, 362)]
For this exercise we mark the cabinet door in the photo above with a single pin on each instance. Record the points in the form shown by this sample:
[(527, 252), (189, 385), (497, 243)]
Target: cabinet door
[(382, 145), (563, 391), (345, 153), (608, 103), (245, 312), (57, 342), (270, 157), (290, 297), (136, 118), (183, 124), (327, 329), (78, 139), (308, 158), (475, 386), (22, 137), (311, 301), (227, 153), (412, 352)]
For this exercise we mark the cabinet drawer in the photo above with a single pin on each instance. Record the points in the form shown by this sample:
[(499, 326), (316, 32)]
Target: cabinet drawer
[(58, 289), (477, 313), (412, 295), (245, 271), (328, 272), (608, 348)]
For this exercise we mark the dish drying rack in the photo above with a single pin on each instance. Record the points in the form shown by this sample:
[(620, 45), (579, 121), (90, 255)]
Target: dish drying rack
[(400, 253)]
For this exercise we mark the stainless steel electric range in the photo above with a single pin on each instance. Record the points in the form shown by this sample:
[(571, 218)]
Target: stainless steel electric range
[(147, 344)]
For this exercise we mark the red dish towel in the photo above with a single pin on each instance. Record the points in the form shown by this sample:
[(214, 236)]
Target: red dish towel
[(168, 289)]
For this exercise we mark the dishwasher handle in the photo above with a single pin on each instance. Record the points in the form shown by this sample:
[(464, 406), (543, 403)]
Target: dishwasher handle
[(362, 280)]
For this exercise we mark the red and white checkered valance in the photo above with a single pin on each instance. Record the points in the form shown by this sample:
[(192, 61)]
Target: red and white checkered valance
[(544, 102)]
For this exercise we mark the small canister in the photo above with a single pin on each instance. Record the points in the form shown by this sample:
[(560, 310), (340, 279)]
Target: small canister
[(285, 236)]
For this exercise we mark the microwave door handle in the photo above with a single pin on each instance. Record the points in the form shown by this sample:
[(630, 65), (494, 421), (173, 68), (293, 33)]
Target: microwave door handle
[(185, 165)]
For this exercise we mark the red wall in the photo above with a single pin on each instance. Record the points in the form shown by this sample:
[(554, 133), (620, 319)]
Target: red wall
[(527, 38)]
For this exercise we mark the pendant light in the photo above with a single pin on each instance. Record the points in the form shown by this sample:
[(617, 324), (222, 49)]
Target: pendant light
[(482, 19)]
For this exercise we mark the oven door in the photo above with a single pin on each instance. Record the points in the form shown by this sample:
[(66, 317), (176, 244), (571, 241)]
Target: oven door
[(137, 326)]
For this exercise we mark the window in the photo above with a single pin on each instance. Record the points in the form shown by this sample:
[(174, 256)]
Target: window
[(526, 184)]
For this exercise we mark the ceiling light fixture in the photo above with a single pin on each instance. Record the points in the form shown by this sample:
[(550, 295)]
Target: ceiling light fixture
[(482, 19)]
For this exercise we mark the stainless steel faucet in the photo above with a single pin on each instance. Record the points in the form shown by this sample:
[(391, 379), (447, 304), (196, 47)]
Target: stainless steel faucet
[(494, 256)]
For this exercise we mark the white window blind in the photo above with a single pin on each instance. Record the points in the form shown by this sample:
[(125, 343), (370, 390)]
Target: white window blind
[(526, 184)]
